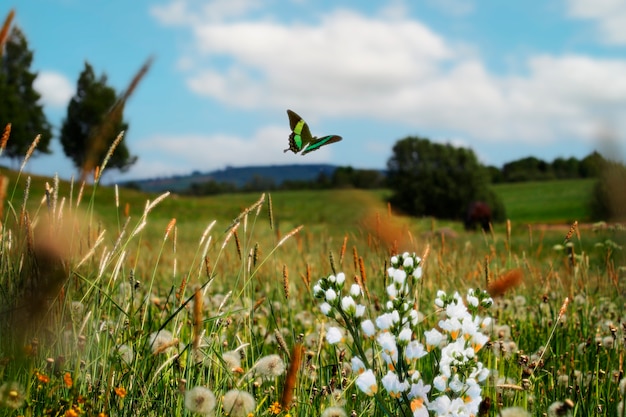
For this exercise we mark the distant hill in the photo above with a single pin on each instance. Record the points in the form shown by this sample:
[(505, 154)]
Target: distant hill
[(239, 176)]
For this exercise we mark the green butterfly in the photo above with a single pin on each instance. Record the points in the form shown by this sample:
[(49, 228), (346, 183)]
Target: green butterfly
[(301, 138)]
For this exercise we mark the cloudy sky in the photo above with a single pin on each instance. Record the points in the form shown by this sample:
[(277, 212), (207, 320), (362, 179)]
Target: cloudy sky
[(509, 79)]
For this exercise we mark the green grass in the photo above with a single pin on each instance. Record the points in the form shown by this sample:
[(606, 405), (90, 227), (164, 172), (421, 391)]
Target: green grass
[(67, 358), (561, 201)]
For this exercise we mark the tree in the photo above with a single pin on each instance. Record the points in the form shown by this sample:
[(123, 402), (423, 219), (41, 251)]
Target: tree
[(94, 120), (430, 179), (19, 103), (608, 201)]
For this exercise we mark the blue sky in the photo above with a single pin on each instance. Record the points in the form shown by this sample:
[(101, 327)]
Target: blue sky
[(507, 79)]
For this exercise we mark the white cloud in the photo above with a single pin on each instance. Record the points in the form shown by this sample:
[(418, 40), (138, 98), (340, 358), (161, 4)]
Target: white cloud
[(398, 70), (610, 16), (55, 88)]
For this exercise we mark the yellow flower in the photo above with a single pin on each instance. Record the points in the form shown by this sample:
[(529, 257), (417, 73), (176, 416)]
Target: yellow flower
[(43, 378), (275, 408), (71, 413)]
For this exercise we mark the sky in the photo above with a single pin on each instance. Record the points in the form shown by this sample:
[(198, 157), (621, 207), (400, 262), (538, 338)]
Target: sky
[(508, 79)]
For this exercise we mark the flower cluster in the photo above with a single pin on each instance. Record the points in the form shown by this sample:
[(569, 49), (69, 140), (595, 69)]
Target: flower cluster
[(397, 336)]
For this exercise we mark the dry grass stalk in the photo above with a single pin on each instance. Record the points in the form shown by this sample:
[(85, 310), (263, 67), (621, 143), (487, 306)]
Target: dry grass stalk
[(306, 278), (570, 233), (197, 318), (505, 282), (487, 277), (363, 277), (270, 211), (355, 258), (4, 33), (563, 308), (23, 212), (30, 151), (5, 137), (281, 341), (508, 234), (292, 375), (343, 249), (237, 243), (108, 155), (286, 281), (290, 234), (4, 186), (169, 228)]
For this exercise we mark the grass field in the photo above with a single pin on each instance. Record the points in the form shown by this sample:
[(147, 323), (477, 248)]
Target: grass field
[(112, 308)]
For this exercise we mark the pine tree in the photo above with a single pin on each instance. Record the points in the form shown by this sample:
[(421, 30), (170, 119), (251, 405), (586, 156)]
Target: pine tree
[(20, 102), (94, 119)]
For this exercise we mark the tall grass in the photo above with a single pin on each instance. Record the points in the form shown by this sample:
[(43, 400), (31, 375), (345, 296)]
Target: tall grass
[(117, 310)]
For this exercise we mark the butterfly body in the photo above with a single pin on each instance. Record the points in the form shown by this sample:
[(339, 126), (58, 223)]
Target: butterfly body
[(301, 140)]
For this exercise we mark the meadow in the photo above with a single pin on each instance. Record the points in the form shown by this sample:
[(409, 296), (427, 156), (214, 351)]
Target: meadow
[(305, 303)]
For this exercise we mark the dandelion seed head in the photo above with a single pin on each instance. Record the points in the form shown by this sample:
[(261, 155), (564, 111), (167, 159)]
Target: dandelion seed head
[(200, 400), (11, 395), (160, 341), (270, 366), (238, 403)]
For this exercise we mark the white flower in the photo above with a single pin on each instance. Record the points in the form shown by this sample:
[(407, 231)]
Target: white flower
[(325, 308), (405, 335), (394, 260), (433, 338), (334, 335), (358, 367), (366, 382), (417, 272), (360, 310), (368, 328), (415, 350), (341, 277), (408, 262), (392, 384), (331, 295), (399, 277), (317, 290), (392, 291), (355, 290), (348, 305)]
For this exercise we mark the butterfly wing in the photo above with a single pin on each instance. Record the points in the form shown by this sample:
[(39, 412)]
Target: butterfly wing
[(300, 134), (319, 142)]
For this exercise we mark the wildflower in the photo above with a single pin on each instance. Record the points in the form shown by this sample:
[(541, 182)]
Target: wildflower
[(366, 382), (358, 366), (405, 336), (126, 354), (238, 403), (275, 408), (43, 378), (393, 385), (232, 360), (348, 305), (161, 341), (120, 391), (331, 295), (360, 310), (368, 328), (334, 335), (415, 350), (325, 308), (11, 395), (270, 366), (200, 400), (334, 412), (340, 278), (71, 413), (433, 338), (355, 290), (67, 379)]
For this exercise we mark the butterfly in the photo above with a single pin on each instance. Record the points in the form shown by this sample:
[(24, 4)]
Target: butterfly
[(301, 138)]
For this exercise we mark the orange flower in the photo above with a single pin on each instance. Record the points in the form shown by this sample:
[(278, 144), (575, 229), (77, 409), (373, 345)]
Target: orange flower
[(120, 391), (71, 412), (67, 378), (43, 378)]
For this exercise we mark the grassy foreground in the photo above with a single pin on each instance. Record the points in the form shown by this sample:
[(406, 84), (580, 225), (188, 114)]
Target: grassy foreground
[(237, 306)]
